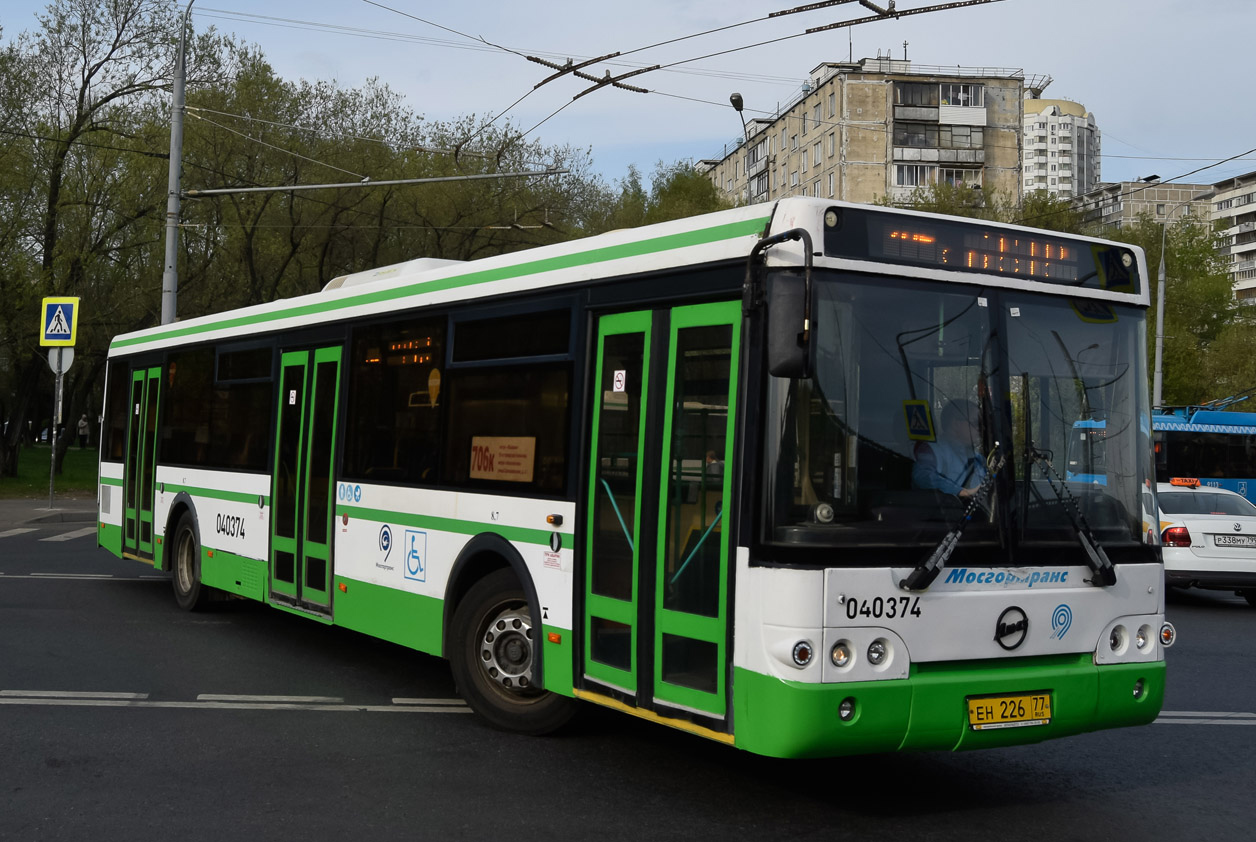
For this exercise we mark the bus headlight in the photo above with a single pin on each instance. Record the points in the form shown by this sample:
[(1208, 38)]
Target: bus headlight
[(842, 655), (877, 652)]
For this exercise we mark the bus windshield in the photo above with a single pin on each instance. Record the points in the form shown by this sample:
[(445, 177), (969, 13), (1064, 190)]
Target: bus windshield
[(930, 405)]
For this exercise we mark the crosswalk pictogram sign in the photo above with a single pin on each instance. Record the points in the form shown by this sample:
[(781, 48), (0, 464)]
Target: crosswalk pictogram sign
[(60, 322), (919, 420)]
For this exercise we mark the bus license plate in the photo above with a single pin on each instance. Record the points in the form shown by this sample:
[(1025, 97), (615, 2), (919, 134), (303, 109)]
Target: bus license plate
[(1019, 711)]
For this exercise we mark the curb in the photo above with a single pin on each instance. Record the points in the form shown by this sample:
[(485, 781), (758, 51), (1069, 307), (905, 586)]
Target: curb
[(65, 517)]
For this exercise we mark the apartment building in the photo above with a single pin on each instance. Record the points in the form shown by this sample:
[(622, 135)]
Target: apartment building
[(862, 131), (1234, 205), (1116, 204), (1062, 148)]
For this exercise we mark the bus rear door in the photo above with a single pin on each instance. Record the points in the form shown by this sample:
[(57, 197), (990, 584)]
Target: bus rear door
[(141, 463)]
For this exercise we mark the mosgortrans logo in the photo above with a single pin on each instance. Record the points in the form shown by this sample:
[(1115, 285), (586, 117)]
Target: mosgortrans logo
[(1004, 578)]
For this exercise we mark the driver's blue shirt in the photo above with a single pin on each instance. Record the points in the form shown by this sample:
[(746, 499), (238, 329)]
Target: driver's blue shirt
[(947, 466)]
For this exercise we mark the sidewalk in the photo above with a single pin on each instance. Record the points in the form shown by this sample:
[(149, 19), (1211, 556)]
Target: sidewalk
[(31, 511)]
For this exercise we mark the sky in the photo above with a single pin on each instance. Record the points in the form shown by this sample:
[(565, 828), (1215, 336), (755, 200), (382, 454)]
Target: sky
[(1167, 80)]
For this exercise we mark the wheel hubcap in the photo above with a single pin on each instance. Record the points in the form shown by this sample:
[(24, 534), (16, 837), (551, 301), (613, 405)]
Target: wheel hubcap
[(506, 649)]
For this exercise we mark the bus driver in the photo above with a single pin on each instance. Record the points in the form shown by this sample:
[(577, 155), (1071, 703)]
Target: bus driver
[(953, 463)]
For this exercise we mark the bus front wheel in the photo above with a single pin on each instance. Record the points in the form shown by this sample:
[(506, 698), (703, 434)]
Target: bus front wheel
[(186, 566), (493, 659)]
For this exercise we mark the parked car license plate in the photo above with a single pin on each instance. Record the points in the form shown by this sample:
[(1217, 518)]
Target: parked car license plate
[(1015, 711)]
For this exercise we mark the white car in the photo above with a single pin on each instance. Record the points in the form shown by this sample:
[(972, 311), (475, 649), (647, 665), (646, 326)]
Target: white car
[(1208, 536)]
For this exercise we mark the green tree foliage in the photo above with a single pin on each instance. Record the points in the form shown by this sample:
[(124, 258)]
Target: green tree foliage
[(1199, 308), (84, 116), (1038, 209)]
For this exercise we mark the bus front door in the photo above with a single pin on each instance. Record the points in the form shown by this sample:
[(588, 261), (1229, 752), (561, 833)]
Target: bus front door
[(302, 488), (141, 463), (656, 626)]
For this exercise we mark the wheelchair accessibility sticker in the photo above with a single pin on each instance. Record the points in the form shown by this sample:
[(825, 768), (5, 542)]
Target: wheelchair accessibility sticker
[(416, 555)]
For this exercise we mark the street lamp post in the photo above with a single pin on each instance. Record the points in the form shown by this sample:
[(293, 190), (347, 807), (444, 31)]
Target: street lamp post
[(1157, 377)]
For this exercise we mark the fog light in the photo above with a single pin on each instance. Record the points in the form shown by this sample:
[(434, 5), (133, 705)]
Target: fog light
[(846, 710), (1139, 689), (1143, 637), (802, 653), (877, 651), (841, 654), (1168, 634)]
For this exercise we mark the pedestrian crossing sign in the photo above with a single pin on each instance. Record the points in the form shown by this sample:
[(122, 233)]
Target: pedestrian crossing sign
[(60, 322), (919, 420)]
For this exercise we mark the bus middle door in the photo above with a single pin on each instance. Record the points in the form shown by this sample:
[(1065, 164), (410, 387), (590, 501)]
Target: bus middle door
[(301, 518)]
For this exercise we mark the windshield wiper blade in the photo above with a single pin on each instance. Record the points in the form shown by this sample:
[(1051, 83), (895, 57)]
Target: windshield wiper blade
[(923, 575), (1096, 559)]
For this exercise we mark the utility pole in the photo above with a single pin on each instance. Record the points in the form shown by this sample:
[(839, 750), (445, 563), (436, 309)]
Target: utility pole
[(170, 276)]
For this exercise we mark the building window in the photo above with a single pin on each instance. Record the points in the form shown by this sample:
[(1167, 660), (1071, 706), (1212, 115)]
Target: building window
[(915, 134), (815, 151), (815, 116), (915, 93), (966, 95), (832, 181), (833, 105), (961, 137), (957, 177), (804, 160), (793, 179), (793, 142), (914, 175), (832, 144), (804, 122)]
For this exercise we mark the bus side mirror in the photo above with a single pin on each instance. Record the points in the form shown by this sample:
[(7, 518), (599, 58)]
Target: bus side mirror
[(788, 331)]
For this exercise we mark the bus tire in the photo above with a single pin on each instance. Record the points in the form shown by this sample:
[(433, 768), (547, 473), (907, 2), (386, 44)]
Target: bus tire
[(492, 659), (185, 566), (1250, 596)]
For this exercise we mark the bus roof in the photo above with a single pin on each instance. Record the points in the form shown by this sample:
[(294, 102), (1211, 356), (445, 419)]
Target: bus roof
[(1208, 421), (724, 236)]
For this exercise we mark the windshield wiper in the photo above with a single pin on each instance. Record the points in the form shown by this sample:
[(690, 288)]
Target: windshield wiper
[(1096, 558), (924, 574)]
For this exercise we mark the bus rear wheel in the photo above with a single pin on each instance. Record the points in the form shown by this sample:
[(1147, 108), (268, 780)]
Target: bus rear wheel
[(185, 566), (493, 659)]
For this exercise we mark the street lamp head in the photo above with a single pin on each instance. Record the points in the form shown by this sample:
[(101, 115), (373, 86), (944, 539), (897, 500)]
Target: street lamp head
[(737, 102)]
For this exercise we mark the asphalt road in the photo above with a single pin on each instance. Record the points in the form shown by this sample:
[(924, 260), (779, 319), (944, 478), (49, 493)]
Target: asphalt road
[(122, 717)]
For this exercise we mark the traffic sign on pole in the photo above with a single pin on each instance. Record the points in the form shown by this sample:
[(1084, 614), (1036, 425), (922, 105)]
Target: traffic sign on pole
[(59, 326)]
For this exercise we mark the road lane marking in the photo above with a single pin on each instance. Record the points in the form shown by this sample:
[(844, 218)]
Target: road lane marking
[(428, 702), (140, 703), (70, 694), (10, 533), (82, 577), (1205, 717), (73, 575), (226, 697), (70, 536)]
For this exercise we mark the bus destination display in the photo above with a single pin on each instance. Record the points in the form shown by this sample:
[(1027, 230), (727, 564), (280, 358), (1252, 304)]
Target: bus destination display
[(977, 247)]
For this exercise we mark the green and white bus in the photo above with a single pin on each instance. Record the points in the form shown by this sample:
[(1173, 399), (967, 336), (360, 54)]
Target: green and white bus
[(676, 471)]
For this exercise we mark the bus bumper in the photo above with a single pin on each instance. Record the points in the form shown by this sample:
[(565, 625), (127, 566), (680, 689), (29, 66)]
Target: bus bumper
[(929, 709)]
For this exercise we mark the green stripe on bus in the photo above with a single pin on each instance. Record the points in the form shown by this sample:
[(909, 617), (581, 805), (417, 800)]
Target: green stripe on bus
[(216, 494), (111, 481), (550, 264), (519, 534)]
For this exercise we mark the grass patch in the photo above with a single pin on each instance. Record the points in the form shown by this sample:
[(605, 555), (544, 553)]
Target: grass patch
[(77, 477)]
